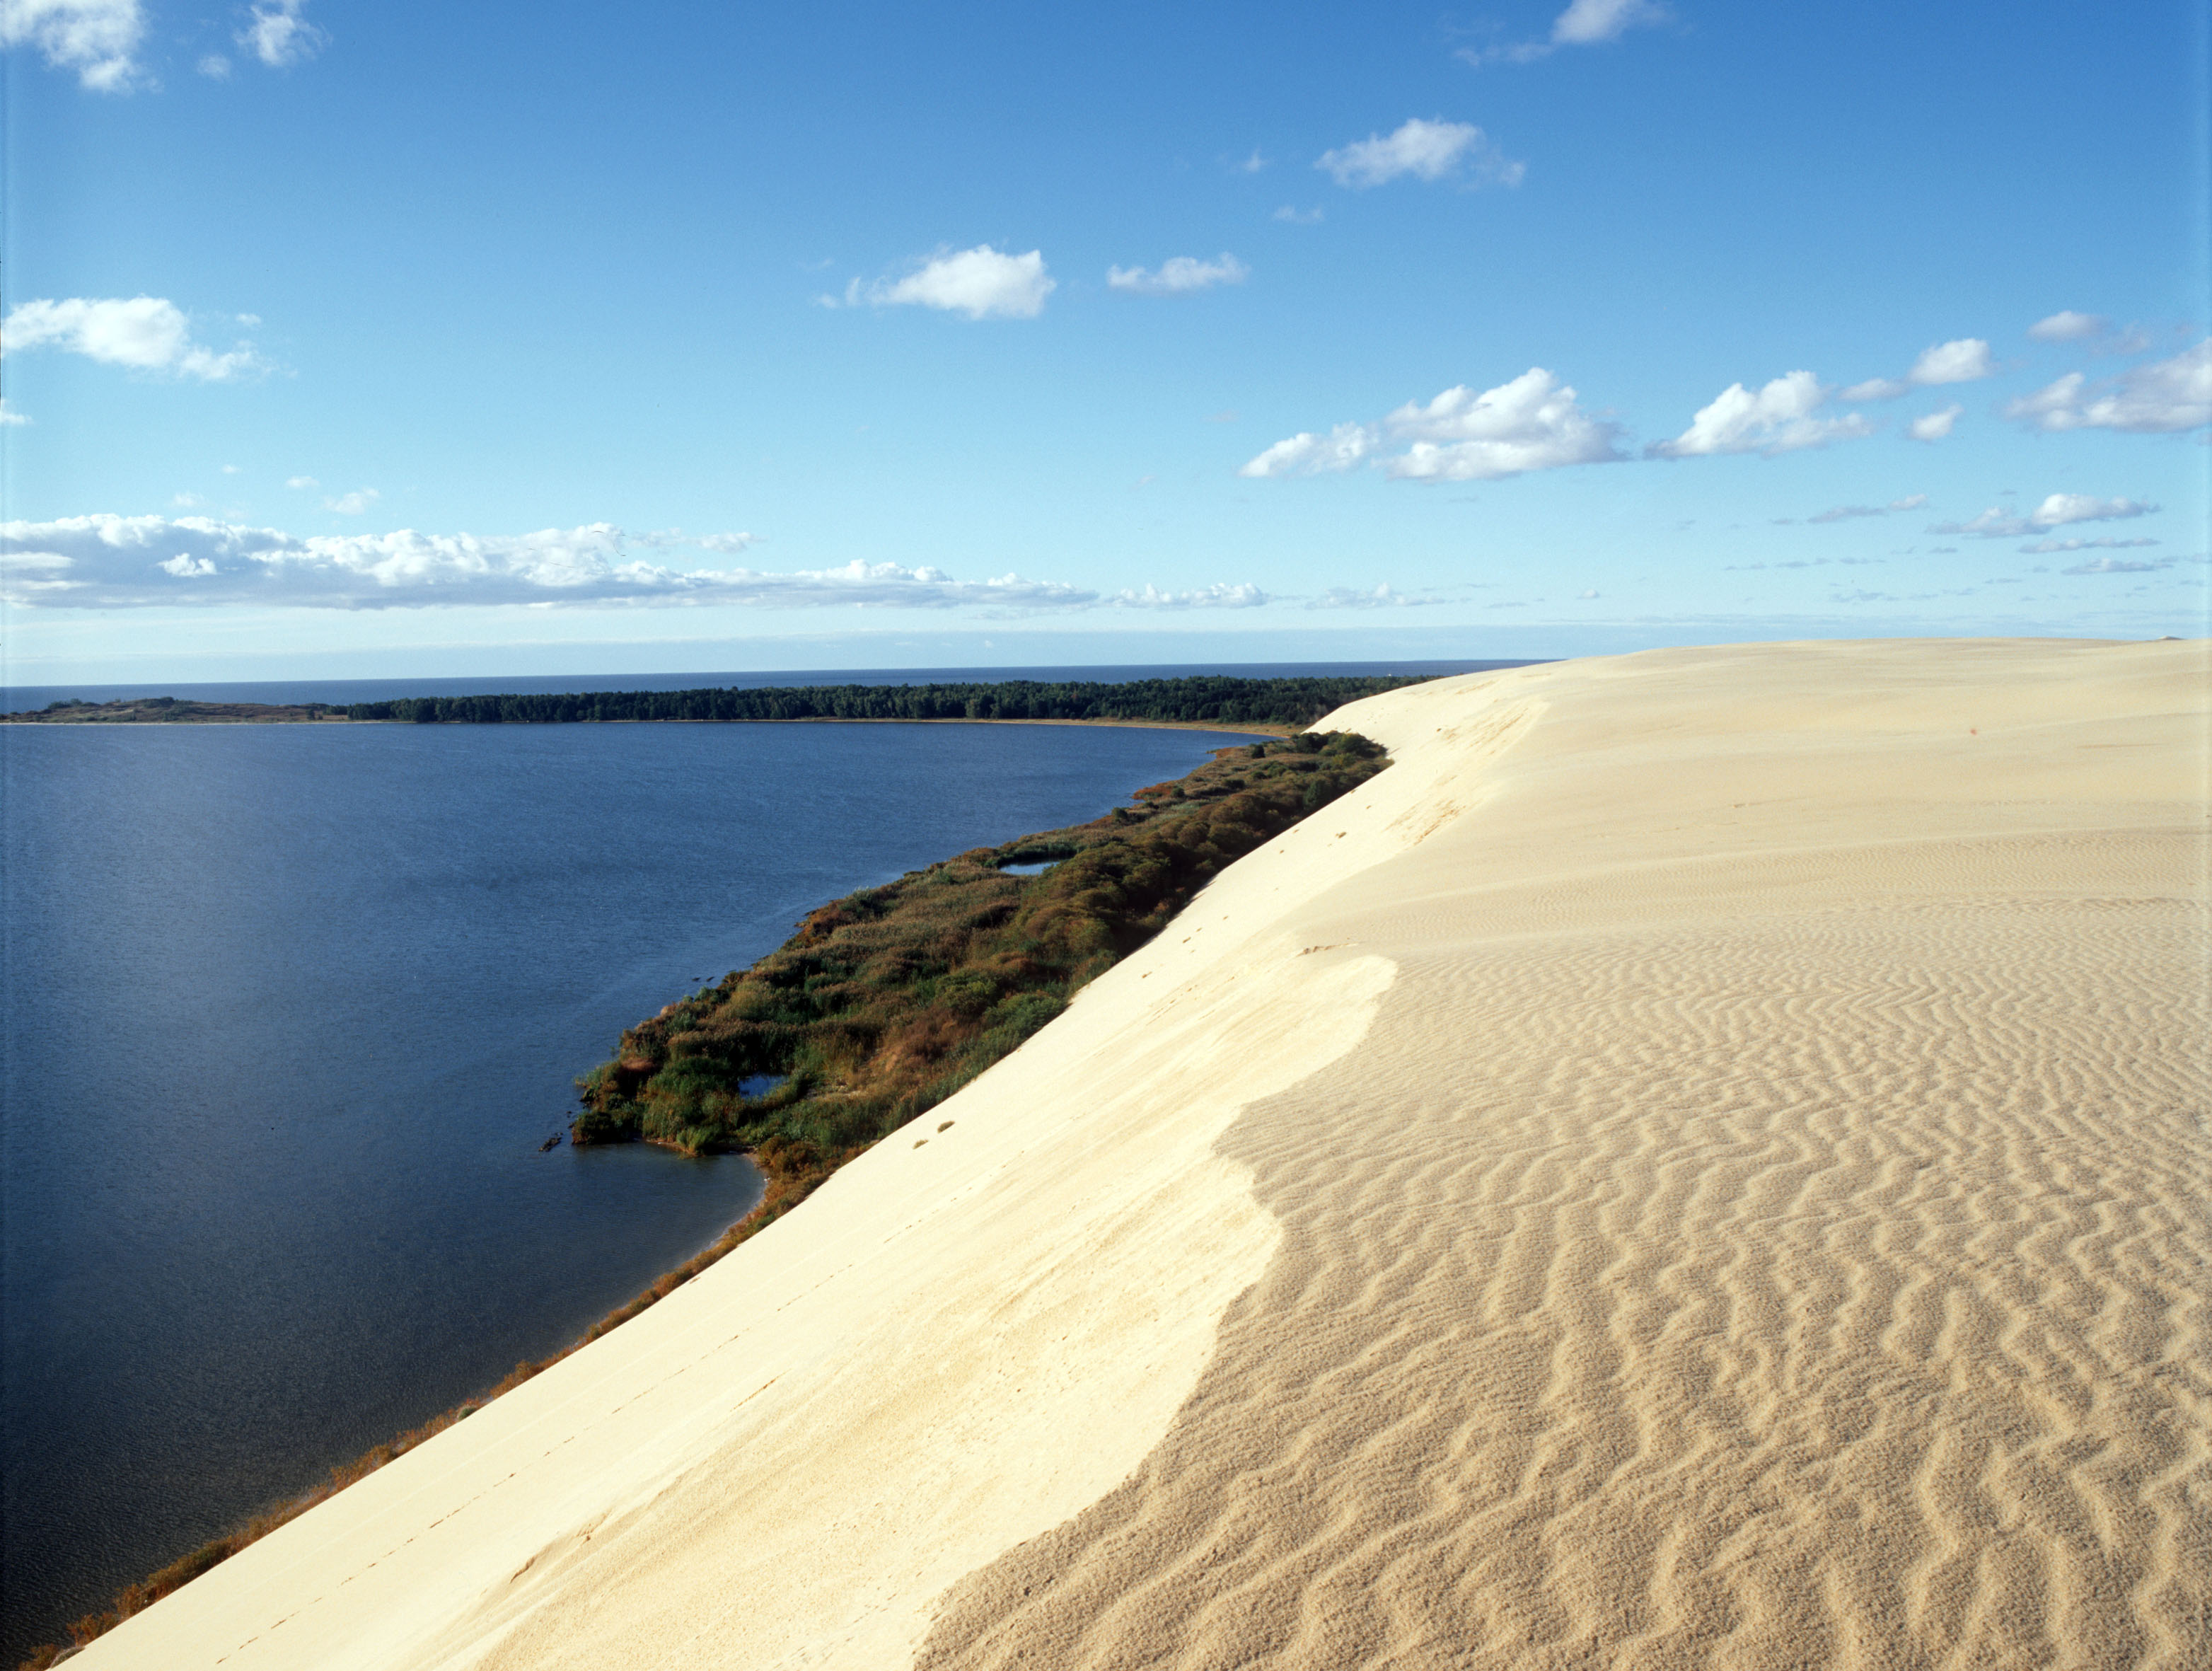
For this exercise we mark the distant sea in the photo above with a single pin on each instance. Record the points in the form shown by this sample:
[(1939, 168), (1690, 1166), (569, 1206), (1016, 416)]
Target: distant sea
[(22, 698), (290, 1011)]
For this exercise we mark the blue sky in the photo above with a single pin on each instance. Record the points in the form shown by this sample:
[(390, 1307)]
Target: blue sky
[(346, 339)]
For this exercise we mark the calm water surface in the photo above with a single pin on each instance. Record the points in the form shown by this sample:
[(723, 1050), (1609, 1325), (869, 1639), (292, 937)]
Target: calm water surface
[(288, 1013)]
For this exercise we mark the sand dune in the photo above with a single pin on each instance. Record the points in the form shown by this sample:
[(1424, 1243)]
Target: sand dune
[(1703, 1162)]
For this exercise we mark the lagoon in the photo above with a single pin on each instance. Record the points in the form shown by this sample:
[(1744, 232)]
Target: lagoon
[(289, 1013)]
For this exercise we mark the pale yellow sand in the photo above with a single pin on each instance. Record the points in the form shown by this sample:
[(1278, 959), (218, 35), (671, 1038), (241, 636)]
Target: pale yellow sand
[(1703, 1162)]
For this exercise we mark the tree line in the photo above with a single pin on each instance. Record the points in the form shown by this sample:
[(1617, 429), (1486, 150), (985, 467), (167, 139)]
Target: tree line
[(1199, 700)]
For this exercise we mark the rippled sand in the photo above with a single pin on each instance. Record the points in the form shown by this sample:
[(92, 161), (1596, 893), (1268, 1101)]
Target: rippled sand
[(1704, 1163)]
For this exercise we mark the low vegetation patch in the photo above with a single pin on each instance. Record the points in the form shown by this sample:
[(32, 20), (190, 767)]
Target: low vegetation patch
[(169, 710), (890, 1000)]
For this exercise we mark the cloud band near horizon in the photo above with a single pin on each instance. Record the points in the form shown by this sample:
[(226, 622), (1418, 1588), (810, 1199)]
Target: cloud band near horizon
[(110, 561)]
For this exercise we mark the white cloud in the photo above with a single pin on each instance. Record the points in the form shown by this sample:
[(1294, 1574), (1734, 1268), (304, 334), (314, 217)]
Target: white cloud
[(1426, 150), (2060, 508), (116, 562), (2094, 331), (98, 39), (2160, 398), (1965, 360), (1308, 454), (1935, 425), (8, 415), (1208, 597), (1299, 217), (1781, 417), (355, 503), (215, 67), (2055, 511), (278, 35), (301, 482), (1587, 23), (981, 282), (2054, 406), (145, 333), (2068, 326), (1584, 23), (1179, 274), (1381, 597), (724, 545), (2119, 566), (1851, 512), (2043, 548), (1530, 423)]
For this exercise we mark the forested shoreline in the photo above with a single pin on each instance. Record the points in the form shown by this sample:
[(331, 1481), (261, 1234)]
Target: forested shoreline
[(1280, 704), (1283, 701)]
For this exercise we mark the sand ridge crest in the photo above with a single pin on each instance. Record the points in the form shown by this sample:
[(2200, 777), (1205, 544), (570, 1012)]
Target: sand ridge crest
[(1790, 1255)]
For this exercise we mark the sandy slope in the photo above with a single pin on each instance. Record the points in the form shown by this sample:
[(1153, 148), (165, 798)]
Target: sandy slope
[(1703, 1162)]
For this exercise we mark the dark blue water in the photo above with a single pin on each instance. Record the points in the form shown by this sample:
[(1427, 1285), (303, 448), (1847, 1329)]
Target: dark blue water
[(25, 698), (288, 1011)]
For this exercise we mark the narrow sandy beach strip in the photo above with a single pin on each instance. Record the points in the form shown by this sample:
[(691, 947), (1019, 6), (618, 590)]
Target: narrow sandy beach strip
[(1703, 1162)]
